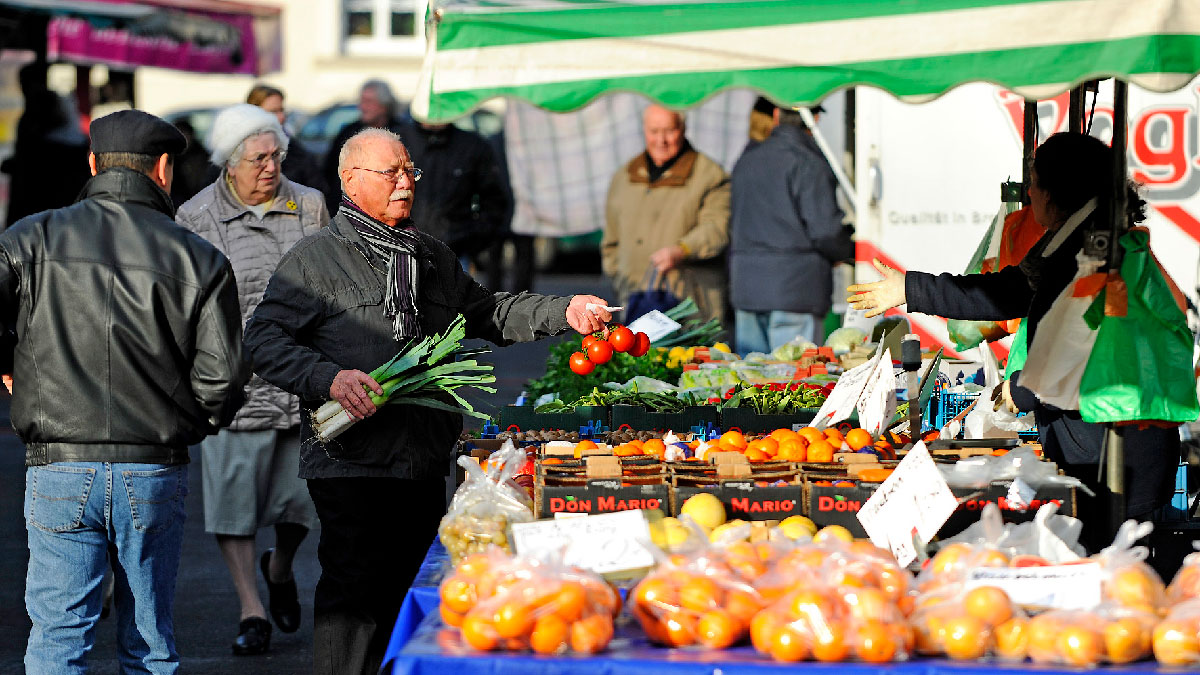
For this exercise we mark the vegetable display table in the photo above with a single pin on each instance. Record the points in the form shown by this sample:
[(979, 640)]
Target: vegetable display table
[(420, 647)]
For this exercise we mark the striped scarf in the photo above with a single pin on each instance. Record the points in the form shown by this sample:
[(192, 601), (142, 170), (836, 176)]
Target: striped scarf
[(400, 246)]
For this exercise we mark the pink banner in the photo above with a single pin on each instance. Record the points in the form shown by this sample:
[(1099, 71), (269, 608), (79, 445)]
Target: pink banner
[(192, 41)]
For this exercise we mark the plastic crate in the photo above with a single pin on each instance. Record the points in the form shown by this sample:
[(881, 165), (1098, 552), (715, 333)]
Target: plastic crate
[(948, 406)]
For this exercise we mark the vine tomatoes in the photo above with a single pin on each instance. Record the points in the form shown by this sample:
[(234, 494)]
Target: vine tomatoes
[(587, 342), (641, 345), (600, 352), (580, 365), (621, 339)]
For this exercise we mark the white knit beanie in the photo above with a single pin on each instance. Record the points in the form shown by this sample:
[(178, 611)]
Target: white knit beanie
[(237, 123)]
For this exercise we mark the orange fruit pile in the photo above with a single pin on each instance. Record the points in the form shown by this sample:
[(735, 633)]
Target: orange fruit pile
[(967, 626), (785, 445), (502, 603)]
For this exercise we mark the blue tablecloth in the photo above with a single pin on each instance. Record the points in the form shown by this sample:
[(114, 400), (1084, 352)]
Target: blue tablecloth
[(422, 645)]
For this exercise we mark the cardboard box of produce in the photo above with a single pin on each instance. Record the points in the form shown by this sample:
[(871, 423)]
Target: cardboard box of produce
[(599, 484), (747, 491)]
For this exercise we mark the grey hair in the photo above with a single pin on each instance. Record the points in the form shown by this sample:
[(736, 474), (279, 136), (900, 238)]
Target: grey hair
[(352, 144), (383, 92)]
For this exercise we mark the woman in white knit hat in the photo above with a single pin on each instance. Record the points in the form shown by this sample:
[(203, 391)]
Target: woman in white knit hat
[(254, 214)]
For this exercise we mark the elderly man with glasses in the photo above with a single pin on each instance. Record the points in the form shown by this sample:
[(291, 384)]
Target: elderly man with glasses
[(254, 214), (340, 304)]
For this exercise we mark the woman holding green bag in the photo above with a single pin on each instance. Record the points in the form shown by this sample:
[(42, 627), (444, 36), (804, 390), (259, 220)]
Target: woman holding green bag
[(1069, 171)]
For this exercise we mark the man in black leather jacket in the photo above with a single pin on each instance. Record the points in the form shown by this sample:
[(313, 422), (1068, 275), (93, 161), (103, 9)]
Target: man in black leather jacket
[(336, 307), (128, 350)]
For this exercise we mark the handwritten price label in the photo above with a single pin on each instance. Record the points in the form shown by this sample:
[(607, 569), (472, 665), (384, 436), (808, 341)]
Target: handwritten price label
[(1051, 587), (914, 499), (654, 324), (610, 542)]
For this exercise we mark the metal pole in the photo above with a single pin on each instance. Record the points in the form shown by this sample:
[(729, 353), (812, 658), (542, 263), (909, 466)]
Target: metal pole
[(1115, 468), (1029, 135), (1075, 114)]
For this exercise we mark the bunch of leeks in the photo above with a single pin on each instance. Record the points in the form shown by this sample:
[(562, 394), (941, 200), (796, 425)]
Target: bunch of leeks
[(424, 373)]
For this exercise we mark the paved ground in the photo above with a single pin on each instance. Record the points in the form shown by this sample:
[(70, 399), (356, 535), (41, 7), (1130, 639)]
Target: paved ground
[(206, 611)]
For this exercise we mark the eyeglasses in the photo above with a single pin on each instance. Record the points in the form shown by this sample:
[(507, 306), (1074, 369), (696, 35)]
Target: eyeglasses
[(393, 175), (260, 162)]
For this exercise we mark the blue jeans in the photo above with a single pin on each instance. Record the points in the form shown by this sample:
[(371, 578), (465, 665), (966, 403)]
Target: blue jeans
[(75, 514), (764, 331)]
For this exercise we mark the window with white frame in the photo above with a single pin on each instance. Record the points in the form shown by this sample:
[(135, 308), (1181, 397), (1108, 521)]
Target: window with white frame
[(371, 27)]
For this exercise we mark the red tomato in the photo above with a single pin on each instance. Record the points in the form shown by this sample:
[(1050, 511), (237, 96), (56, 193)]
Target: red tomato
[(588, 340), (600, 352), (622, 339), (641, 345), (580, 365)]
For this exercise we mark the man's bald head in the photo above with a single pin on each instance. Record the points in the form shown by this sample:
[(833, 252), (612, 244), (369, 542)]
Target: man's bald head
[(663, 130)]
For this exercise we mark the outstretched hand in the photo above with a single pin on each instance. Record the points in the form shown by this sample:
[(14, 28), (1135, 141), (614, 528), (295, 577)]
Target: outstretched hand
[(880, 296), (584, 320)]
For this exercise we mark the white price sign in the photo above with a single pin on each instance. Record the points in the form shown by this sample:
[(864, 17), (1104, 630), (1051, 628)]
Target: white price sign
[(846, 393), (1049, 587), (654, 324), (915, 499), (610, 542), (877, 404)]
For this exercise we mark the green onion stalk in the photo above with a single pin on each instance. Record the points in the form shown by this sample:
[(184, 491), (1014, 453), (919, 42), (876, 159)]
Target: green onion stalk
[(423, 373)]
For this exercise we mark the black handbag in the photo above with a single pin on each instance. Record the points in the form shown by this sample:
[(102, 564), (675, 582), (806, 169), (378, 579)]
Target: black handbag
[(654, 296)]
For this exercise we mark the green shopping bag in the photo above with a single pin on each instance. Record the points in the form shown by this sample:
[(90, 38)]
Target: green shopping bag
[(1018, 351), (1140, 367)]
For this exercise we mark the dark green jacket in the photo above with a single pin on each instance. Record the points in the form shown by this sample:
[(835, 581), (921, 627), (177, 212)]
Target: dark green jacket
[(323, 312)]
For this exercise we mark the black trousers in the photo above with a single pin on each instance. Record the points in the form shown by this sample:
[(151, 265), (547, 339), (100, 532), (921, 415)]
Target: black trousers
[(374, 535)]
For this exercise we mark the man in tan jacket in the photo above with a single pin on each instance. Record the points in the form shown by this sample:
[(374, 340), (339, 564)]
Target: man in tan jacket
[(668, 214)]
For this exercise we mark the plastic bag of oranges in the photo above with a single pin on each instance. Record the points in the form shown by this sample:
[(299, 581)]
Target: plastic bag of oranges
[(1176, 640), (518, 604), (834, 601), (1186, 584), (485, 505), (705, 597), (1128, 581), (967, 624)]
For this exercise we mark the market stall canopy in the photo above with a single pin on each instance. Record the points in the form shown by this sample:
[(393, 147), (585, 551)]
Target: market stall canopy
[(559, 55), (205, 36)]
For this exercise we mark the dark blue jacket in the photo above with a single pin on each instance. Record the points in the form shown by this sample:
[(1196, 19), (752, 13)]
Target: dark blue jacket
[(785, 226)]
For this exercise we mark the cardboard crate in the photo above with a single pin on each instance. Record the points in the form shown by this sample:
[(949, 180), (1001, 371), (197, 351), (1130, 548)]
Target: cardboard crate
[(746, 492), (524, 418), (640, 419), (599, 484)]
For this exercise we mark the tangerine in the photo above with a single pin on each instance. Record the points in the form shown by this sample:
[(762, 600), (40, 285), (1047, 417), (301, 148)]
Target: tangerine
[(874, 642), (718, 629), (1079, 646), (989, 604), (762, 629), (783, 434), (966, 638), (810, 605), (820, 451), (479, 633), (654, 446), (550, 634), (656, 593), (733, 439), (569, 602), (449, 616), (584, 445), (1043, 638), (1176, 643), (1133, 587), (769, 446), (700, 594), (512, 619), (473, 566), (458, 594), (591, 634), (868, 604), (756, 455), (1012, 639), (812, 434), (858, 439), (792, 450), (788, 645), (1126, 640), (829, 642), (1186, 584), (680, 628), (743, 605)]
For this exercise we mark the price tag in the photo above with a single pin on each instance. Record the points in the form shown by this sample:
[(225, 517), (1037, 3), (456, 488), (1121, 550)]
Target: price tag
[(604, 543), (1049, 587), (914, 499), (654, 324), (844, 397), (877, 404)]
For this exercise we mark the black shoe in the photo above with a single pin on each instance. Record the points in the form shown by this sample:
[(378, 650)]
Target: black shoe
[(281, 597), (254, 637)]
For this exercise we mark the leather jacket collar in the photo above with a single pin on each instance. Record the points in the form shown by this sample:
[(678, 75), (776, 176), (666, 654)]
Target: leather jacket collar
[(128, 186)]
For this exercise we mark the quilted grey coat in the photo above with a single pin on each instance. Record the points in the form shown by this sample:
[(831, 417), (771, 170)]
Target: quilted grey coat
[(255, 247)]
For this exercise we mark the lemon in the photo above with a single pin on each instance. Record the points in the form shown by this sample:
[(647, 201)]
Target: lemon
[(794, 527), (722, 347), (727, 532), (677, 353), (833, 532), (675, 533), (705, 509), (690, 354), (658, 534)]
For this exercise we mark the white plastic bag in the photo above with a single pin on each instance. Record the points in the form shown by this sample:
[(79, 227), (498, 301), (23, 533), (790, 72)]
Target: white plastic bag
[(1060, 350), (985, 420)]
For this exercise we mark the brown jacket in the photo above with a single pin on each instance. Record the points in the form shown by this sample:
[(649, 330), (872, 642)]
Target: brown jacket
[(687, 205)]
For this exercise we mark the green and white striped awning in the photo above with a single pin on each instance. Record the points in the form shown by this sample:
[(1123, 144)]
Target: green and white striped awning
[(561, 54)]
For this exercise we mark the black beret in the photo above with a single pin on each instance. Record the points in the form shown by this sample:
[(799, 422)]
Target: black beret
[(137, 132)]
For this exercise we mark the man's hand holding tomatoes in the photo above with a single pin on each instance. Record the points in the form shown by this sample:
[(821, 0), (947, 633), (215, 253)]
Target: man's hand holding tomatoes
[(587, 320)]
